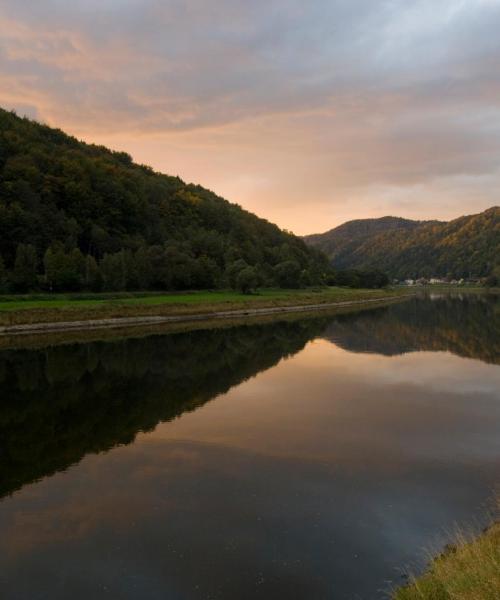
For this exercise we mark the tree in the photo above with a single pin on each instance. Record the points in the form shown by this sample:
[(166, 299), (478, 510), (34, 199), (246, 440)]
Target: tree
[(160, 270), (373, 279), (207, 273), (247, 280), (288, 274), (76, 264), (491, 281), (53, 261), (305, 278), (143, 270), (233, 270), (114, 271), (331, 278), (3, 276), (179, 268), (24, 276), (63, 270), (92, 278)]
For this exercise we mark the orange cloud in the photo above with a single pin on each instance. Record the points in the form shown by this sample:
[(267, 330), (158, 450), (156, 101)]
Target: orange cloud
[(307, 115)]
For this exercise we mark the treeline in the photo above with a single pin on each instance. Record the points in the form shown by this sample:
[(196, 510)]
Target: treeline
[(159, 268), (354, 278), (467, 247), (77, 216)]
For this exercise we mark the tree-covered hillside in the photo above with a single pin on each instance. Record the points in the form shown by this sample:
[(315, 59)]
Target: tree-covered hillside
[(346, 238), (78, 216), (465, 247)]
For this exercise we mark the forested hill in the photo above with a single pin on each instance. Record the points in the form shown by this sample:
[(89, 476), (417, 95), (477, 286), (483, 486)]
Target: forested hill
[(467, 246), (346, 238), (80, 216)]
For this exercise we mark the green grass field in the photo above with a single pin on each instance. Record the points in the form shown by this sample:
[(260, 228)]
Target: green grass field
[(65, 307), (91, 300)]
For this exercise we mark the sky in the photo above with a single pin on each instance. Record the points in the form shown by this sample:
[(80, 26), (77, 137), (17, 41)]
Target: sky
[(308, 113)]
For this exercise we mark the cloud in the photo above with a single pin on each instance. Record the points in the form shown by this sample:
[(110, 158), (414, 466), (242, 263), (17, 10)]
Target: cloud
[(318, 103)]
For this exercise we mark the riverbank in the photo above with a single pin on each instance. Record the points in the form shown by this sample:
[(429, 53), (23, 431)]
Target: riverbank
[(41, 339), (467, 570), (47, 313), (462, 289)]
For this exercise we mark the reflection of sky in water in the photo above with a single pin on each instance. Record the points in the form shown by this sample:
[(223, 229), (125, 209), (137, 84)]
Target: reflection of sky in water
[(319, 478), (326, 403)]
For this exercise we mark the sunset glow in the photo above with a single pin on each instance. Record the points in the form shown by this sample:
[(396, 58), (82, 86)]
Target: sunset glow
[(308, 114)]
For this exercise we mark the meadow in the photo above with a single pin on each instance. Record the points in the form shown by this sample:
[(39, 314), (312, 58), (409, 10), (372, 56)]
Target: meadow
[(38, 308)]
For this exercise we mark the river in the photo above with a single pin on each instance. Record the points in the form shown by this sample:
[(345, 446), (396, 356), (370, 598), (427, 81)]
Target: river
[(301, 459)]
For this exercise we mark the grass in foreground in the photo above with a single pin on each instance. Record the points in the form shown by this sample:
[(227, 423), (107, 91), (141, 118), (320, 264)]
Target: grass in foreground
[(468, 570), (43, 308)]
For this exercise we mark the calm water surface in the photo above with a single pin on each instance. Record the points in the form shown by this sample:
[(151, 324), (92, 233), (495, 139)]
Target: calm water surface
[(300, 459)]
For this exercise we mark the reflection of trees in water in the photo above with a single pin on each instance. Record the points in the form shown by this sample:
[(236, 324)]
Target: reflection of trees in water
[(467, 326), (63, 402)]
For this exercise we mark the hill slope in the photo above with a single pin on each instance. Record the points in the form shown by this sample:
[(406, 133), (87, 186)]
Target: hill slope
[(74, 215), (467, 246)]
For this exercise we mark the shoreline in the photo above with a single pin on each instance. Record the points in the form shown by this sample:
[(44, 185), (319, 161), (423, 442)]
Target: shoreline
[(127, 322), (468, 567)]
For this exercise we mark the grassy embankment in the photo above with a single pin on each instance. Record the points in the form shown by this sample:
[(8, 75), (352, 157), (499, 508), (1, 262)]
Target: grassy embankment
[(467, 570), (16, 310)]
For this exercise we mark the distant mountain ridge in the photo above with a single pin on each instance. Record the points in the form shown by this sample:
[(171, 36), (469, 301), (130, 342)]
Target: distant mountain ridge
[(465, 247)]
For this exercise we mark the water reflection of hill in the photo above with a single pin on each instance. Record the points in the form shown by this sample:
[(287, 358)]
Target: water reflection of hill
[(467, 326), (60, 403)]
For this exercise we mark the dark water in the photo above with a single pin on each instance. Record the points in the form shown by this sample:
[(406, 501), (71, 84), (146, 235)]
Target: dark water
[(297, 460)]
